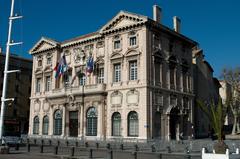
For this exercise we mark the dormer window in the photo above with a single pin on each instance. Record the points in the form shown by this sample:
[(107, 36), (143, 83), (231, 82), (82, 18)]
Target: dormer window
[(40, 63), (133, 41), (49, 60), (117, 44)]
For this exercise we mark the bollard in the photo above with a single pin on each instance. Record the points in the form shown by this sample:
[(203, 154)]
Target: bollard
[(76, 144), (90, 153), (27, 141), (86, 144), (108, 146), (72, 151), (41, 149), (55, 150), (188, 156), (35, 141), (97, 145), (153, 148), (50, 142), (17, 146), (67, 142), (28, 147), (121, 146), (160, 156), (136, 147), (110, 154), (58, 142), (134, 154), (42, 142), (169, 149)]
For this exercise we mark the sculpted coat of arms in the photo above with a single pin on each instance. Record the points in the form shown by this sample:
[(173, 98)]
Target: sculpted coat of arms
[(79, 56)]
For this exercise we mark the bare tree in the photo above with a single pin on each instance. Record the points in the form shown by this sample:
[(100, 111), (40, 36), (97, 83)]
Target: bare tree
[(232, 77)]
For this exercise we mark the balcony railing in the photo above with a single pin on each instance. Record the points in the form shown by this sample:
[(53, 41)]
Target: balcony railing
[(78, 90)]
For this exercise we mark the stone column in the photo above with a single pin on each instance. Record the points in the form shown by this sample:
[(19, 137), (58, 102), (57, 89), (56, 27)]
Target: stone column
[(51, 119), (66, 123), (168, 135), (63, 121), (99, 121), (80, 130)]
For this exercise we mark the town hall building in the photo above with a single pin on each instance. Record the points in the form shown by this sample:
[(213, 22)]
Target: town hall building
[(141, 85)]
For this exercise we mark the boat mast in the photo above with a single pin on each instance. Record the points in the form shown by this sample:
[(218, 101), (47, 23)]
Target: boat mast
[(6, 71)]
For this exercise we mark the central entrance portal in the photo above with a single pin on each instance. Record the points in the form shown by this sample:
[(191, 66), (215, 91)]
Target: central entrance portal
[(73, 123), (174, 123)]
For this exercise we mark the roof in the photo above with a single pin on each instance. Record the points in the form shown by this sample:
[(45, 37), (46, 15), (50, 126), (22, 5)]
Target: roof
[(208, 65), (17, 57), (133, 18), (80, 37)]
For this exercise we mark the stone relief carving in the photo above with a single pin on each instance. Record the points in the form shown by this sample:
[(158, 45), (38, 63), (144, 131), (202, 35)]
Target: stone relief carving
[(132, 97), (46, 106), (67, 56), (79, 56), (116, 98), (37, 104)]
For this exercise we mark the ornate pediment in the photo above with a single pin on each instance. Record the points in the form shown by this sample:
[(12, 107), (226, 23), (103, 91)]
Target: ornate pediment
[(116, 55), (43, 44), (99, 60), (132, 53), (123, 19)]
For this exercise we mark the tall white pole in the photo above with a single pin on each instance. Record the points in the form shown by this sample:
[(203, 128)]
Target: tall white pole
[(3, 99)]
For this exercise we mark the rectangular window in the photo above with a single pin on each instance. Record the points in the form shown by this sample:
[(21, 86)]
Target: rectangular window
[(157, 73), (133, 41), (48, 83), (172, 80), (133, 70), (17, 88), (49, 60), (101, 75), (38, 85), (117, 72), (67, 78), (117, 44), (82, 80), (184, 81), (39, 63)]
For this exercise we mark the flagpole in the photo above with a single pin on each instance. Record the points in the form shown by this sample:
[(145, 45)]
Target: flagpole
[(5, 78)]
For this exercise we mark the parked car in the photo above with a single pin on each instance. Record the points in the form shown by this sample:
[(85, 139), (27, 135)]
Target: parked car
[(11, 139)]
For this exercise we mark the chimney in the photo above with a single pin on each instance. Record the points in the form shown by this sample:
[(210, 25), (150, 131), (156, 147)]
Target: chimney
[(0, 50), (157, 13), (176, 24)]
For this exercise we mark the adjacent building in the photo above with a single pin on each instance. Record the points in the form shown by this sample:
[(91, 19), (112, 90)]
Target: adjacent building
[(206, 89), (141, 86), (19, 87)]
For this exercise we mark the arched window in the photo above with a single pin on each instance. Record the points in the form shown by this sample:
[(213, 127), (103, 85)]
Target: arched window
[(92, 122), (133, 124), (116, 124), (57, 122), (36, 125), (45, 125)]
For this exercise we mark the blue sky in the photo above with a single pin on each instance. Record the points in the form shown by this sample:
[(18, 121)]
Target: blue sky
[(214, 24)]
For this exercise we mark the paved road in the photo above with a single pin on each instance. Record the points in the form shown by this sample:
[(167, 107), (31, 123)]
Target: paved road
[(25, 156)]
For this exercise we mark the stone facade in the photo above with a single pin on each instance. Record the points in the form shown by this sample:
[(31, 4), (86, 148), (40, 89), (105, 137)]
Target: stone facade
[(141, 88), (19, 87)]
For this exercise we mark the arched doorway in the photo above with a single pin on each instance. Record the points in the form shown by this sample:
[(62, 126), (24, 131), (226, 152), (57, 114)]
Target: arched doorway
[(174, 123)]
